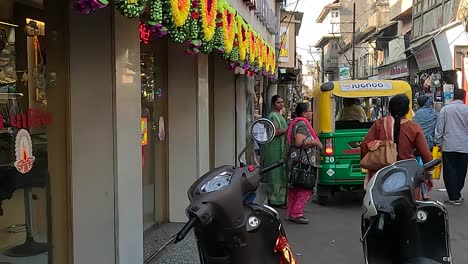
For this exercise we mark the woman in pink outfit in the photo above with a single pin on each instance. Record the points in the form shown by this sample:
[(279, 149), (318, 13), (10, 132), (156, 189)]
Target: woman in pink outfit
[(302, 140)]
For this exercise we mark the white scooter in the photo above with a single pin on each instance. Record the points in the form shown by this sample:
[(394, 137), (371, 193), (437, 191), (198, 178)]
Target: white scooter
[(397, 229)]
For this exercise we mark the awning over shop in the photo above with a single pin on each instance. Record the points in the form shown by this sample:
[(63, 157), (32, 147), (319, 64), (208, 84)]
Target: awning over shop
[(389, 30), (424, 52), (419, 43), (393, 70)]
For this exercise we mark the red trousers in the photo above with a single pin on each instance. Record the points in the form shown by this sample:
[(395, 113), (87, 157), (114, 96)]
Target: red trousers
[(297, 200)]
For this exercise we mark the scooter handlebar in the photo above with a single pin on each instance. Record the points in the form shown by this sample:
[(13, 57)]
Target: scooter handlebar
[(271, 167), (431, 164), (185, 230)]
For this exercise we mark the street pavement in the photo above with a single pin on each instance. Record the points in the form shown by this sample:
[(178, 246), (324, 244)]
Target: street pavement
[(332, 237)]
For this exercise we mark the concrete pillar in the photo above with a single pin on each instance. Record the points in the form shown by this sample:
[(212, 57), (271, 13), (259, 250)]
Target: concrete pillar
[(105, 138), (203, 115), (127, 138), (241, 112), (188, 125), (224, 114)]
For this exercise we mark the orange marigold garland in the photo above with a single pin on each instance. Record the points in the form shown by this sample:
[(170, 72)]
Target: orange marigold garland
[(208, 10), (180, 11), (229, 28), (260, 52), (253, 46), (272, 60), (175, 18), (242, 37)]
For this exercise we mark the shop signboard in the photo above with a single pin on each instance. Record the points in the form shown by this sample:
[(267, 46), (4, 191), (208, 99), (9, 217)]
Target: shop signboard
[(344, 73), (284, 44), (448, 93), (426, 57), (394, 71)]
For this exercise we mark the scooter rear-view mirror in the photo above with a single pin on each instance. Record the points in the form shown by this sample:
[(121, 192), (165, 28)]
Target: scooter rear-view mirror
[(263, 131)]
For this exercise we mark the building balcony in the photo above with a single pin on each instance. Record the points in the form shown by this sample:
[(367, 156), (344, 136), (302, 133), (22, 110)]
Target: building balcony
[(399, 8), (330, 62), (378, 19)]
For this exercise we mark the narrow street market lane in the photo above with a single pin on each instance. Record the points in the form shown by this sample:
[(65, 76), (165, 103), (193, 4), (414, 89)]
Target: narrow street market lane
[(332, 237)]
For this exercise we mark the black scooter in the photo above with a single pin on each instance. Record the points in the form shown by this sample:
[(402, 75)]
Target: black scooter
[(397, 229), (230, 226)]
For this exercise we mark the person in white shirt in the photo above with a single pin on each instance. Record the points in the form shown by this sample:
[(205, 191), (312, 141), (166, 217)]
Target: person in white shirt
[(452, 135)]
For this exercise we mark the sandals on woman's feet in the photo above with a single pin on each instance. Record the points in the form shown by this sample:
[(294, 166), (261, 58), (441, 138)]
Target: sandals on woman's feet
[(298, 220)]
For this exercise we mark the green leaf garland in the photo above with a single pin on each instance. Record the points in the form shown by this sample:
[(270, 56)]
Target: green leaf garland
[(131, 10)]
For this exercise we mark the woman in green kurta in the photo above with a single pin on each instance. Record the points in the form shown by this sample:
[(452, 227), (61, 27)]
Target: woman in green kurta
[(274, 151)]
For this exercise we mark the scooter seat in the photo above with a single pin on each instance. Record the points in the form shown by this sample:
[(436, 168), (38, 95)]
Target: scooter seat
[(421, 260)]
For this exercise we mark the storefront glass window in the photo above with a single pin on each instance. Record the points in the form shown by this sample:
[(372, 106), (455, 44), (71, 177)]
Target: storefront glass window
[(24, 122), (154, 139), (147, 144)]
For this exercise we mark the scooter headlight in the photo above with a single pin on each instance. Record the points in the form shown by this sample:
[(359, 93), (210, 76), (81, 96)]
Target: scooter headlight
[(394, 182)]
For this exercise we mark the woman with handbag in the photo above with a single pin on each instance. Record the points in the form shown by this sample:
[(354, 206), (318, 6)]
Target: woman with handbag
[(302, 143), (393, 138)]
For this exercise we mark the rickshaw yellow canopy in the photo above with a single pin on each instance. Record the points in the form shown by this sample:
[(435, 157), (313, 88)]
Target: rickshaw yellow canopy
[(367, 88)]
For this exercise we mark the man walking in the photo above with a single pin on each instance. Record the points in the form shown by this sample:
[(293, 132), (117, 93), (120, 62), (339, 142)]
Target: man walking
[(452, 134)]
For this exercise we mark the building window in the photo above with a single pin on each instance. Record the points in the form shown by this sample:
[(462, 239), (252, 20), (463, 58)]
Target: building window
[(30, 133), (334, 14)]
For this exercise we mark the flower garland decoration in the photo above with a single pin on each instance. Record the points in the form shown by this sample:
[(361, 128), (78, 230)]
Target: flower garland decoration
[(178, 31), (218, 41), (86, 6), (268, 58), (195, 44), (264, 54), (180, 10), (260, 52), (242, 37), (203, 24), (193, 21), (156, 18), (271, 59), (131, 8), (208, 17), (229, 28), (252, 46)]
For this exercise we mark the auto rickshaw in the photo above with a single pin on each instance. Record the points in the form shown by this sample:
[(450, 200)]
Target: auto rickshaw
[(340, 169)]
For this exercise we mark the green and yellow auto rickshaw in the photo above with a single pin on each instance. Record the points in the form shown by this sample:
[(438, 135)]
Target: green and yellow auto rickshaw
[(340, 169)]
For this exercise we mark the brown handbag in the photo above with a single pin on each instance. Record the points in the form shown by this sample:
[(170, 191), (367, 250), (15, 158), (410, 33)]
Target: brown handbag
[(384, 155)]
